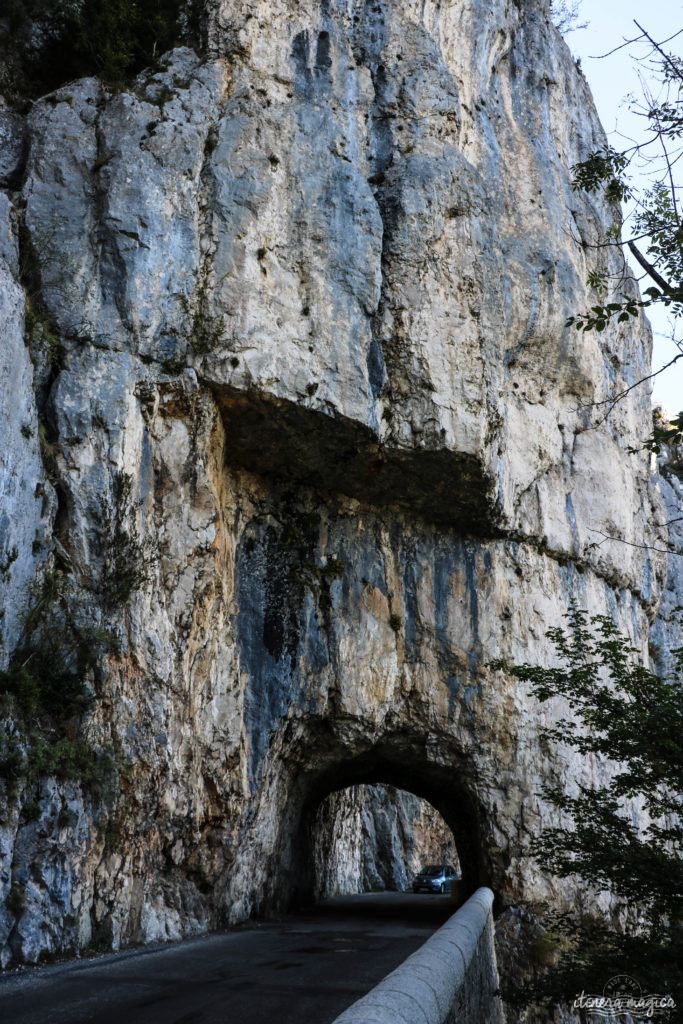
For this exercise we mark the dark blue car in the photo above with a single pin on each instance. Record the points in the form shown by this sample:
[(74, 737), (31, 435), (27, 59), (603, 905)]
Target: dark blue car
[(434, 878)]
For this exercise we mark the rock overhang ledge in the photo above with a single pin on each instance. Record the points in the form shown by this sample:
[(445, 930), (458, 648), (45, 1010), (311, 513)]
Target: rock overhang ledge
[(333, 454)]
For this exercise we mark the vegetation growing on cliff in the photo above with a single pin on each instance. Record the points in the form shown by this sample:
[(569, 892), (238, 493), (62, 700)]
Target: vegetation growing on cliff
[(622, 712), (47, 689), (45, 43), (127, 559), (46, 692)]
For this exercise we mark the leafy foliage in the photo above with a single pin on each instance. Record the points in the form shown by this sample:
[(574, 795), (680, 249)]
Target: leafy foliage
[(622, 712), (597, 317), (41, 331), (604, 168), (598, 279), (50, 42), (663, 434), (656, 217)]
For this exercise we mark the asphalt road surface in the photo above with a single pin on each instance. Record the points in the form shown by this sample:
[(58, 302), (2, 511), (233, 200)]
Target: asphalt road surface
[(302, 969)]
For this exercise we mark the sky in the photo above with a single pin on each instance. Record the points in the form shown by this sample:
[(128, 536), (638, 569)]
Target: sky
[(612, 79)]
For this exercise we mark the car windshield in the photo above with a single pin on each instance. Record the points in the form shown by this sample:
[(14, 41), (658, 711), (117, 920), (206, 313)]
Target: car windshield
[(432, 869)]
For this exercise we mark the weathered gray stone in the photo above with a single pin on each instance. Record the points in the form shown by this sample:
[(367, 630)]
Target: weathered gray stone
[(667, 630), (11, 144), (26, 497)]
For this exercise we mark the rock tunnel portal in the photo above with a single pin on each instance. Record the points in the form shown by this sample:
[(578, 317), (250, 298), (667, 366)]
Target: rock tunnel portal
[(370, 839), (396, 761)]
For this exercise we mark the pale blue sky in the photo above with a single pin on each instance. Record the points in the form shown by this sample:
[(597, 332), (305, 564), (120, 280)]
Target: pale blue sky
[(612, 79)]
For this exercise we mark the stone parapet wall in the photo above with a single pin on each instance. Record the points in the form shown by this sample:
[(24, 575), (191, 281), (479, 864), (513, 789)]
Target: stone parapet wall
[(452, 979)]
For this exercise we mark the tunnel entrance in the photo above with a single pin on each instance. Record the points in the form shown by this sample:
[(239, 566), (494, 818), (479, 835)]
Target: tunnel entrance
[(379, 838), (325, 758)]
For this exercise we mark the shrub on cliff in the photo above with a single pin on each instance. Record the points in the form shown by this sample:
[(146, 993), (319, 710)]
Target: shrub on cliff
[(127, 559), (44, 696), (626, 714), (45, 43)]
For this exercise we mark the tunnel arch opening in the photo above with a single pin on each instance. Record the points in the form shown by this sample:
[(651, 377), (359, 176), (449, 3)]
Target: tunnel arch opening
[(372, 839), (431, 769)]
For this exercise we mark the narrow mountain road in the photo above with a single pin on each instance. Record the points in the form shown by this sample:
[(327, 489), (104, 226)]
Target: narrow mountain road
[(301, 969)]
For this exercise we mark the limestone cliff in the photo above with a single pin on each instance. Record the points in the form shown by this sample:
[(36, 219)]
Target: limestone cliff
[(302, 445), (665, 634)]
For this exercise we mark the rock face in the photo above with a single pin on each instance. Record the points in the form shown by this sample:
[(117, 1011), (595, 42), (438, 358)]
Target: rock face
[(309, 295), (666, 633), (26, 497)]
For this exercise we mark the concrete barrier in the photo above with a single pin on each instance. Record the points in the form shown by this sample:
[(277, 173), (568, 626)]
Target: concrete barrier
[(452, 979)]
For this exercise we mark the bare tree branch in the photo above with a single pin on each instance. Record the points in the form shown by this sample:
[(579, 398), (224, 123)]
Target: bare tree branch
[(627, 42), (611, 402), (649, 269), (659, 50), (632, 544)]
